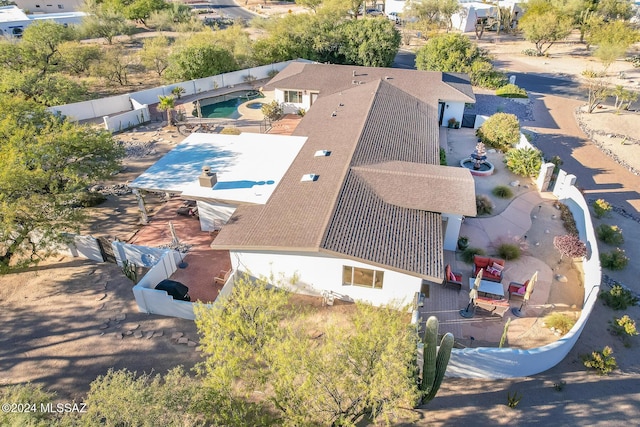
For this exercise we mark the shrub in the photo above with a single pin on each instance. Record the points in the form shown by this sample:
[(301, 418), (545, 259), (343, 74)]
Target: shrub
[(601, 361), (484, 205), (624, 327), (484, 75), (500, 131), (610, 234), (567, 219), (511, 91), (509, 251), (531, 52), (560, 322), (272, 110), (524, 161), (513, 400), (614, 260), (467, 254), (502, 191), (618, 298), (570, 245), (89, 199), (231, 130), (601, 207), (21, 394), (443, 157), (559, 386)]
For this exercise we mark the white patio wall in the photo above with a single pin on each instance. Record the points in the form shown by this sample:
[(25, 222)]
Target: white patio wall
[(511, 363), (84, 247), (127, 120), (117, 104), (323, 272)]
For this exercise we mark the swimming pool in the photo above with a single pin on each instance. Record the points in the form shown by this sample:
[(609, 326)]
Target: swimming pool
[(226, 106)]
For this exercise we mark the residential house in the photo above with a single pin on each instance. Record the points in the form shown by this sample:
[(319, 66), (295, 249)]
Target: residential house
[(365, 209), (13, 21)]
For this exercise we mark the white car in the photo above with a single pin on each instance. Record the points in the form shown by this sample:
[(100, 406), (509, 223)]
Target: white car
[(393, 16)]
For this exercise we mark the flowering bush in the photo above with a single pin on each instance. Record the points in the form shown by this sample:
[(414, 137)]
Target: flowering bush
[(601, 207), (570, 246), (624, 327)]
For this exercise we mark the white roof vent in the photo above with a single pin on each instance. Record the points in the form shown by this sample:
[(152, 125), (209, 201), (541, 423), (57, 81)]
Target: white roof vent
[(322, 153), (309, 177), (335, 113)]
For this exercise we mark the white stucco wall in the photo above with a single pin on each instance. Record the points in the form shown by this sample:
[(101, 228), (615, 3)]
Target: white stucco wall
[(290, 107), (324, 273), (452, 231), (213, 215), (452, 109)]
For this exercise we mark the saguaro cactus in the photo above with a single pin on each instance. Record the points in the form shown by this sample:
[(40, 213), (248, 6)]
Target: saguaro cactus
[(435, 360)]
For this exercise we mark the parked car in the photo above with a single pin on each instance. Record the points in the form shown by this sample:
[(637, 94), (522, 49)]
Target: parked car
[(393, 16), (373, 12)]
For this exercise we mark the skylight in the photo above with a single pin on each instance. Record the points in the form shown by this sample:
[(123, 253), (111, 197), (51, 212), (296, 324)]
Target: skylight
[(322, 153), (309, 177)]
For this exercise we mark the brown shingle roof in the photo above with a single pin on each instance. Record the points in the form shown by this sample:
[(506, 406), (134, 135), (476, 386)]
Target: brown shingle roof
[(364, 126), (428, 86), (426, 187)]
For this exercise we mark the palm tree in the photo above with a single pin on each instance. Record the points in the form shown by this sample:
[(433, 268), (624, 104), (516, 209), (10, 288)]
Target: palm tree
[(167, 103)]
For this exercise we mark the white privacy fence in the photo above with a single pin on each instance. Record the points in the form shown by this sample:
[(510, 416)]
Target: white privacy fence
[(130, 105), (508, 363)]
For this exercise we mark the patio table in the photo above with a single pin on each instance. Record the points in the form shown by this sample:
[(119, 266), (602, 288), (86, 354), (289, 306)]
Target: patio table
[(488, 288)]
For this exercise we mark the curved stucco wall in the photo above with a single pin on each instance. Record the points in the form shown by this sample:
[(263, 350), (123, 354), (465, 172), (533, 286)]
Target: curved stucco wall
[(494, 363)]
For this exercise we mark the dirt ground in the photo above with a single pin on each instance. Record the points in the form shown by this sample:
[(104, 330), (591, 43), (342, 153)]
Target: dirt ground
[(71, 320)]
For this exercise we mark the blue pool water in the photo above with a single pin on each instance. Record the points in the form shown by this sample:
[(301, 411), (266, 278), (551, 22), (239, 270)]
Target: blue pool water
[(227, 105)]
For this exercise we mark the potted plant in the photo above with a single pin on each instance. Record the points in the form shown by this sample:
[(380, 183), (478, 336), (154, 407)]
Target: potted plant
[(451, 122), (463, 243), (456, 125)]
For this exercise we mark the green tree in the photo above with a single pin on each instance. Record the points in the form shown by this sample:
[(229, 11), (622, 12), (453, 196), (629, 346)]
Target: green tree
[(613, 39), (524, 161), (449, 53), (40, 43), (312, 5), (51, 89), (624, 97), (155, 54), (46, 163), (141, 10), (615, 9), (104, 21), (77, 57), (167, 103), (369, 42), (456, 53), (235, 331), (114, 66), (543, 25), (198, 61), (500, 131), (363, 370)]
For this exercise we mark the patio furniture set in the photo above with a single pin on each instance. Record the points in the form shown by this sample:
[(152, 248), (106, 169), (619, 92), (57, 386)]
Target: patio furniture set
[(490, 294)]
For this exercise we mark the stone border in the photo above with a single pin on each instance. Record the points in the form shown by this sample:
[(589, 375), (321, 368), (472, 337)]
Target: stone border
[(591, 134)]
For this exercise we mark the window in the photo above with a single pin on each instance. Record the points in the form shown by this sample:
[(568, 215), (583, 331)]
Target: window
[(60, 6), (294, 96), (354, 276)]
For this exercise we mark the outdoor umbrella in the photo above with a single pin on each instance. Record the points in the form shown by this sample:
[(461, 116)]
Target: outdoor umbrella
[(175, 244), (473, 294), (527, 294)]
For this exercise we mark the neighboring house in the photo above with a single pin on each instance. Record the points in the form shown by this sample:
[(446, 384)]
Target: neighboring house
[(13, 21), (365, 210), (49, 6)]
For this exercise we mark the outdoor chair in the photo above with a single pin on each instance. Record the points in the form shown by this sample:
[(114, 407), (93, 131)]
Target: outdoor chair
[(452, 279), (222, 277), (517, 290)]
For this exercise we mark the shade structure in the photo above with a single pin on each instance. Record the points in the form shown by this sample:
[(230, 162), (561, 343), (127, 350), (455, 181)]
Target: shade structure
[(473, 294), (532, 282)]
